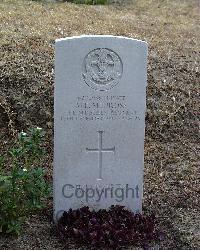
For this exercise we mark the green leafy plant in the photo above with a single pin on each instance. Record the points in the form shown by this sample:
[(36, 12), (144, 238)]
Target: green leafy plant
[(23, 188), (90, 2)]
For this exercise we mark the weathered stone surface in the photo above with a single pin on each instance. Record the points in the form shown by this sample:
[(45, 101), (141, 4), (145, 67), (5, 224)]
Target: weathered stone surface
[(100, 93)]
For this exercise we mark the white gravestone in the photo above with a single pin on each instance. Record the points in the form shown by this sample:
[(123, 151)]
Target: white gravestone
[(100, 98)]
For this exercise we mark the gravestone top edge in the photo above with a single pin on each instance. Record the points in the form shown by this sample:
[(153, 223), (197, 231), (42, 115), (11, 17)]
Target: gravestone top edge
[(100, 36)]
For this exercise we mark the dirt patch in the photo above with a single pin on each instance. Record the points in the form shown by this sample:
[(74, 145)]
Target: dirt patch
[(28, 31)]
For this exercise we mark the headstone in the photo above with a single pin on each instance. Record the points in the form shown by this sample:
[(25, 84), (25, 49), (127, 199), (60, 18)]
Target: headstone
[(100, 94)]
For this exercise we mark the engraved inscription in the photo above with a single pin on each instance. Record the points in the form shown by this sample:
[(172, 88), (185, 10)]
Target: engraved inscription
[(100, 150), (102, 108), (102, 69)]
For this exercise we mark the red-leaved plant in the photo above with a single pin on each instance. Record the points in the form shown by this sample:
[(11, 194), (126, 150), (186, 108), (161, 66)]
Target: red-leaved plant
[(113, 229)]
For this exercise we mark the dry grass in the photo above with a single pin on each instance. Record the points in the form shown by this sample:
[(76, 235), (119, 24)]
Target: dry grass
[(28, 30)]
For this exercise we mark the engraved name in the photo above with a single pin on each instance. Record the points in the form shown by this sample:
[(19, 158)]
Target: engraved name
[(92, 108)]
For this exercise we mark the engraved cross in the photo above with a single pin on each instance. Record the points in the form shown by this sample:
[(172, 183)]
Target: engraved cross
[(100, 150)]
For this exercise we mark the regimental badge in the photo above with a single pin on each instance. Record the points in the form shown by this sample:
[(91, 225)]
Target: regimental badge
[(102, 69)]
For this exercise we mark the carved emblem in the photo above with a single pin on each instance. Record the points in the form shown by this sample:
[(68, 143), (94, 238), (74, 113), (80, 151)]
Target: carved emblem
[(102, 69)]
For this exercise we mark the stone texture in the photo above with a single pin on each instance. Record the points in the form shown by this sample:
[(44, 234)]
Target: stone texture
[(100, 93)]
